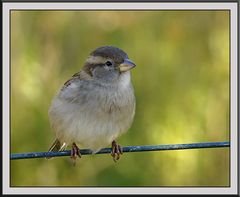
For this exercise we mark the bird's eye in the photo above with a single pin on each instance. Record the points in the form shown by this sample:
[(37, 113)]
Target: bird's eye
[(108, 63)]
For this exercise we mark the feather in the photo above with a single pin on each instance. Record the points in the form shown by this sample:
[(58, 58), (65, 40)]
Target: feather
[(57, 146)]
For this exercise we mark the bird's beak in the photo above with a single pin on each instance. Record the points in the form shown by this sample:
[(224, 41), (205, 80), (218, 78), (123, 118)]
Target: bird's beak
[(126, 65)]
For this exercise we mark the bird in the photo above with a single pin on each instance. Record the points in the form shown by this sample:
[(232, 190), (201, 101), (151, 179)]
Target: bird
[(96, 105)]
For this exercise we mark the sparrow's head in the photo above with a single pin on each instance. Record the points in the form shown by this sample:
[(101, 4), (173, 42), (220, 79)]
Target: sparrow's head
[(107, 63)]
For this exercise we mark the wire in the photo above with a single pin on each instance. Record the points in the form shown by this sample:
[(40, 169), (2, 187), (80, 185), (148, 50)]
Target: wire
[(33, 155)]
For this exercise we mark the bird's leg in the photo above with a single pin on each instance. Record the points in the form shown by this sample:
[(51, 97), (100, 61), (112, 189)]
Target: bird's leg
[(116, 151), (74, 153)]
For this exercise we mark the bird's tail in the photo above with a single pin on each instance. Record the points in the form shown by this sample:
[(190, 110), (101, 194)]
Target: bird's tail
[(56, 147)]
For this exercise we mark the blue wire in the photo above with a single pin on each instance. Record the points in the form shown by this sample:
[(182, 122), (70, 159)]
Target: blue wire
[(125, 149)]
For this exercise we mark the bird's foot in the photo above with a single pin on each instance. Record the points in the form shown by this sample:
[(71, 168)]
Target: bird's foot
[(75, 152), (116, 151)]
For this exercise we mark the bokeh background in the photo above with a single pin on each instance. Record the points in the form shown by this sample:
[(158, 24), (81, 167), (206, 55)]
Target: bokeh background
[(181, 83)]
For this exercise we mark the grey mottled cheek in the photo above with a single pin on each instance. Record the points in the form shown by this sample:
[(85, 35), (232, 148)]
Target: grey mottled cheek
[(105, 74)]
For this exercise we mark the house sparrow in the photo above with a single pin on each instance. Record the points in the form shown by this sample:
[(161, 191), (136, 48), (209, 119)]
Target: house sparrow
[(96, 105)]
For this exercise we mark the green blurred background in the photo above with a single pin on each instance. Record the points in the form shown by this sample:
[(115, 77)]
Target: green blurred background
[(181, 84)]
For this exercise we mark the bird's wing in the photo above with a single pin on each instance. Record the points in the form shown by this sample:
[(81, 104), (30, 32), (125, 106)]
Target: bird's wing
[(71, 89), (76, 76), (82, 75), (68, 94)]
